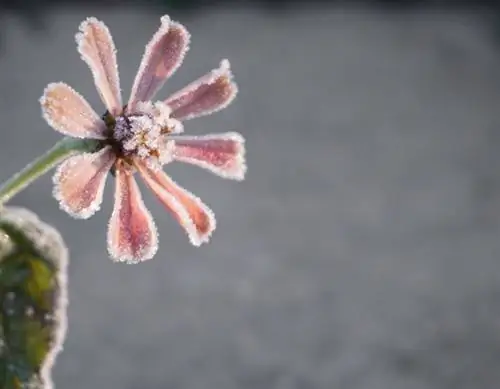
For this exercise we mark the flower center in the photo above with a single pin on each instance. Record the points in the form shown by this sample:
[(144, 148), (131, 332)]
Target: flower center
[(143, 135), (137, 135)]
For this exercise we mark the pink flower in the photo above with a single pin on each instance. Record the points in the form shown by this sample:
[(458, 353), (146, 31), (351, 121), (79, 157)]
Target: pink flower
[(141, 136)]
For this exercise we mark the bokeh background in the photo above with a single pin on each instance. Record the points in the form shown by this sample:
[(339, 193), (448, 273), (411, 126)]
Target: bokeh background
[(362, 251)]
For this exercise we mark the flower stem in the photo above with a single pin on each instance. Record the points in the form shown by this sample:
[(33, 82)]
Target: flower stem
[(60, 151)]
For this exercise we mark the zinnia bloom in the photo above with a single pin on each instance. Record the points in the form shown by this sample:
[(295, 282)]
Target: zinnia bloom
[(141, 136)]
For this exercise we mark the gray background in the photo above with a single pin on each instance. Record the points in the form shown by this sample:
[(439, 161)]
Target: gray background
[(362, 251)]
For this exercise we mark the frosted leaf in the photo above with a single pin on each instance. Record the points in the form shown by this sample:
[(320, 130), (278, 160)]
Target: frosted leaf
[(210, 93), (68, 112), (97, 49), (132, 235), (222, 154), (192, 214), (37, 272), (162, 57), (79, 182)]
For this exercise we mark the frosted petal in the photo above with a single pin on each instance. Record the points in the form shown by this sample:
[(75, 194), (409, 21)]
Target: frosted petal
[(162, 56), (132, 235), (69, 113), (210, 93), (97, 49), (193, 215), (222, 154), (79, 182)]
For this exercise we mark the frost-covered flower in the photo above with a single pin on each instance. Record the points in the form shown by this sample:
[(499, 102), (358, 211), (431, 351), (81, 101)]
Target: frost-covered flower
[(141, 136)]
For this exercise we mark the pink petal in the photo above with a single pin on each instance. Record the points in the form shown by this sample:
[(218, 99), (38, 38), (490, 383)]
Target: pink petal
[(163, 55), (193, 215), (132, 235), (210, 93), (69, 113), (222, 154), (79, 182), (97, 49)]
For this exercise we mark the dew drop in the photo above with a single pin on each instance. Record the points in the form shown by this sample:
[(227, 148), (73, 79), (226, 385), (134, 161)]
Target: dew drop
[(30, 311), (48, 316)]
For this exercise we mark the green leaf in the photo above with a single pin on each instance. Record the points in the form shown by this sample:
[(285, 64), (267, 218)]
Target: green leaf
[(33, 264)]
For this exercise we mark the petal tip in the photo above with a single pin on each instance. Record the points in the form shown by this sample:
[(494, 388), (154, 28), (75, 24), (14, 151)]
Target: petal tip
[(165, 20), (84, 25), (132, 234), (97, 49), (197, 238), (182, 30), (198, 231), (186, 39), (52, 85), (79, 183), (225, 158), (225, 65), (82, 214), (88, 20), (144, 255), (192, 214), (231, 88), (67, 112), (44, 99), (239, 170), (82, 30), (163, 55), (209, 94)]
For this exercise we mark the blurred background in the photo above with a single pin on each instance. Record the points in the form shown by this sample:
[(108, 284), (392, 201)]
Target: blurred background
[(362, 251)]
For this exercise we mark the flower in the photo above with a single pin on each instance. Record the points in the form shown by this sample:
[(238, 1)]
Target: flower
[(141, 136)]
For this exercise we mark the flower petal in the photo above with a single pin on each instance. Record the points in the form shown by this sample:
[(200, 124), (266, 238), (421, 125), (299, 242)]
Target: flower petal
[(96, 47), (222, 154), (162, 56), (132, 235), (210, 93), (69, 113), (193, 215), (79, 182)]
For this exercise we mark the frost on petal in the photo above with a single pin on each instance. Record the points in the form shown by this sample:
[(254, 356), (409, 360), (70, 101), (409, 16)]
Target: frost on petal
[(193, 215), (79, 182), (210, 93), (162, 56), (69, 113), (132, 235), (222, 154), (96, 47)]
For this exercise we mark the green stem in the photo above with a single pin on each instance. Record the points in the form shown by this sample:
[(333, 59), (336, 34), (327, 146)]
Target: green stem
[(43, 164)]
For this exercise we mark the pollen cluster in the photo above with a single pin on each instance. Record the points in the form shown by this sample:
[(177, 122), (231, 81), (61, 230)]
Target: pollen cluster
[(137, 135), (142, 136)]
